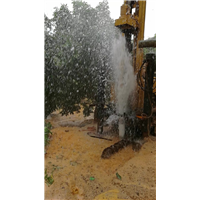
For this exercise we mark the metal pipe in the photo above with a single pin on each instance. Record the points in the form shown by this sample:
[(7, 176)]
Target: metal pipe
[(151, 67), (121, 127), (147, 43)]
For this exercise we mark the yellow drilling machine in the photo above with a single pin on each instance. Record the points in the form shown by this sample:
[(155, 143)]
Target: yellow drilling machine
[(132, 23)]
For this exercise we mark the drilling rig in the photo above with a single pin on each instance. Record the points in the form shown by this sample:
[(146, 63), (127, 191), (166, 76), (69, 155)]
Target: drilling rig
[(141, 122), (132, 23)]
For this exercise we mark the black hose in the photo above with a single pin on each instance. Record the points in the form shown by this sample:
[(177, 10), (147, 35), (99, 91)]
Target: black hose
[(139, 78)]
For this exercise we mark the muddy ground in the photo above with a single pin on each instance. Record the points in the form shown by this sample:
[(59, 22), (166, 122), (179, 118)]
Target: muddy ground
[(79, 172)]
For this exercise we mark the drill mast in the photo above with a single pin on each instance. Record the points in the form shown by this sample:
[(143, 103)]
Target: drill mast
[(131, 22)]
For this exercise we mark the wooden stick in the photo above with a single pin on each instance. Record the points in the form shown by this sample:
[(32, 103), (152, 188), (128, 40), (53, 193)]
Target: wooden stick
[(100, 137)]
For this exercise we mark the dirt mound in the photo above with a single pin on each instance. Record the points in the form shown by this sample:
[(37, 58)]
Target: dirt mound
[(79, 172)]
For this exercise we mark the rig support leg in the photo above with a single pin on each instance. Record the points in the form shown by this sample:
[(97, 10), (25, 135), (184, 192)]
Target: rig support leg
[(151, 67)]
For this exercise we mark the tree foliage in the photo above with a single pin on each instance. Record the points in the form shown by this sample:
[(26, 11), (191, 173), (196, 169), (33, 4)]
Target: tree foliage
[(77, 57)]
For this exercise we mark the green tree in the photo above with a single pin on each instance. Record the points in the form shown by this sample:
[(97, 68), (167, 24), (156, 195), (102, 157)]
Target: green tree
[(77, 57), (50, 70)]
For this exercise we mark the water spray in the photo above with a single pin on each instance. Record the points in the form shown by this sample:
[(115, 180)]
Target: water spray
[(124, 80)]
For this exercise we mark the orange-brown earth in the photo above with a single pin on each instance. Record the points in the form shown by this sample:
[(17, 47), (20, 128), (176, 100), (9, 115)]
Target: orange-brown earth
[(74, 157)]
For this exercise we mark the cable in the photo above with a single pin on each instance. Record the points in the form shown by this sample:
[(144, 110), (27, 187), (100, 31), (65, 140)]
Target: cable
[(139, 76), (139, 79), (147, 117)]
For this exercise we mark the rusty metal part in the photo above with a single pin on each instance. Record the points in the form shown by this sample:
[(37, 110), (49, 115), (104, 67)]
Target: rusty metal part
[(147, 43), (142, 117)]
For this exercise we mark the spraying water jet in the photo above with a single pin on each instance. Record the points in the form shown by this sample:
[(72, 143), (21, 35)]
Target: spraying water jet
[(124, 80)]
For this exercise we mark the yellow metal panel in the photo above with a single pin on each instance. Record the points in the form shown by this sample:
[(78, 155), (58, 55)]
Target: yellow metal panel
[(139, 52), (126, 20), (126, 17)]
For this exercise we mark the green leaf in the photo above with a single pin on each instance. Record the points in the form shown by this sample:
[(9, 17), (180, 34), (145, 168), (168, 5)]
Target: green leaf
[(48, 179), (92, 178), (118, 176)]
